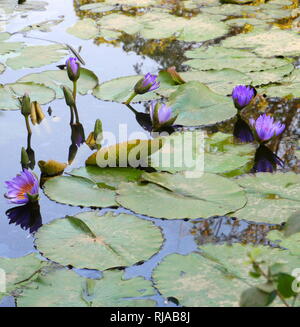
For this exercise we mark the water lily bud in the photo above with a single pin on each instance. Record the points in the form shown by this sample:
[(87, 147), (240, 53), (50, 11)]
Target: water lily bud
[(147, 84), (73, 69), (51, 167), (68, 96), (25, 105)]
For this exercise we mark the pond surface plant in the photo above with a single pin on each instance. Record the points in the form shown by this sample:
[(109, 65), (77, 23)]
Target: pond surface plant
[(155, 146)]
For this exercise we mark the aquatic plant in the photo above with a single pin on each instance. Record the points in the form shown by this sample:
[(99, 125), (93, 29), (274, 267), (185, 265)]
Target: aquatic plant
[(146, 84), (266, 127), (73, 69), (242, 131), (23, 188), (242, 95)]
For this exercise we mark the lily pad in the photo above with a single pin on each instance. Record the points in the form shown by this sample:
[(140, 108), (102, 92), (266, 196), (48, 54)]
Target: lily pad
[(64, 288), (181, 196), (197, 105), (289, 86), (274, 42), (272, 198), (218, 151), (215, 278), (218, 57), (54, 79), (10, 92), (197, 29), (110, 177), (84, 29), (37, 56), (18, 272), (78, 191), (8, 47), (99, 242), (292, 243)]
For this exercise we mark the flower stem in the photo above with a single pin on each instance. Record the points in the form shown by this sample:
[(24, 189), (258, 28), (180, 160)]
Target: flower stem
[(130, 98), (76, 114), (28, 125), (74, 90)]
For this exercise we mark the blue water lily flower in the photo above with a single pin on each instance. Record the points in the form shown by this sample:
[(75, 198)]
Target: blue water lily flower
[(242, 95), (161, 115)]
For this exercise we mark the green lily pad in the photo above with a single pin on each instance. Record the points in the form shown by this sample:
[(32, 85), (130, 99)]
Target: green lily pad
[(218, 151), (64, 288), (44, 26), (197, 105), (37, 56), (78, 191), (18, 272), (274, 42), (217, 277), (219, 81), (84, 29), (119, 90), (99, 242), (181, 196), (272, 198), (292, 243), (54, 79), (110, 177), (218, 57), (289, 86), (195, 282), (10, 92), (197, 29), (8, 47)]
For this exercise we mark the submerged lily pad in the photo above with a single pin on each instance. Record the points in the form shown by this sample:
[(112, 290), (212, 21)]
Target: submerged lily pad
[(37, 56), (77, 191), (272, 198), (181, 196), (10, 92), (18, 272), (99, 242), (274, 42), (215, 278), (54, 79), (219, 153), (197, 105), (111, 290), (84, 29), (111, 177)]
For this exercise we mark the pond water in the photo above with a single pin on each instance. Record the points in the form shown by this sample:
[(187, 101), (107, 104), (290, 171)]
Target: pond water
[(52, 138)]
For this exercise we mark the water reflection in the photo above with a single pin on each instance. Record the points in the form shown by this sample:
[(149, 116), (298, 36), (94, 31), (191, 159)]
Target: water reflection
[(77, 139), (27, 216), (230, 230)]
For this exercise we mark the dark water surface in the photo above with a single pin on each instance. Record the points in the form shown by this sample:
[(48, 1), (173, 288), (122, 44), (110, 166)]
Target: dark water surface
[(51, 140)]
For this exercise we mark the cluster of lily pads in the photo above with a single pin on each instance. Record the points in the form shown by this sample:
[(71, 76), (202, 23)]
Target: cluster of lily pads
[(194, 98)]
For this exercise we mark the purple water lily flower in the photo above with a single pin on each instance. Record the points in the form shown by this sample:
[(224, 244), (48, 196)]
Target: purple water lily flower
[(22, 188), (242, 95), (266, 128), (73, 68), (147, 84)]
